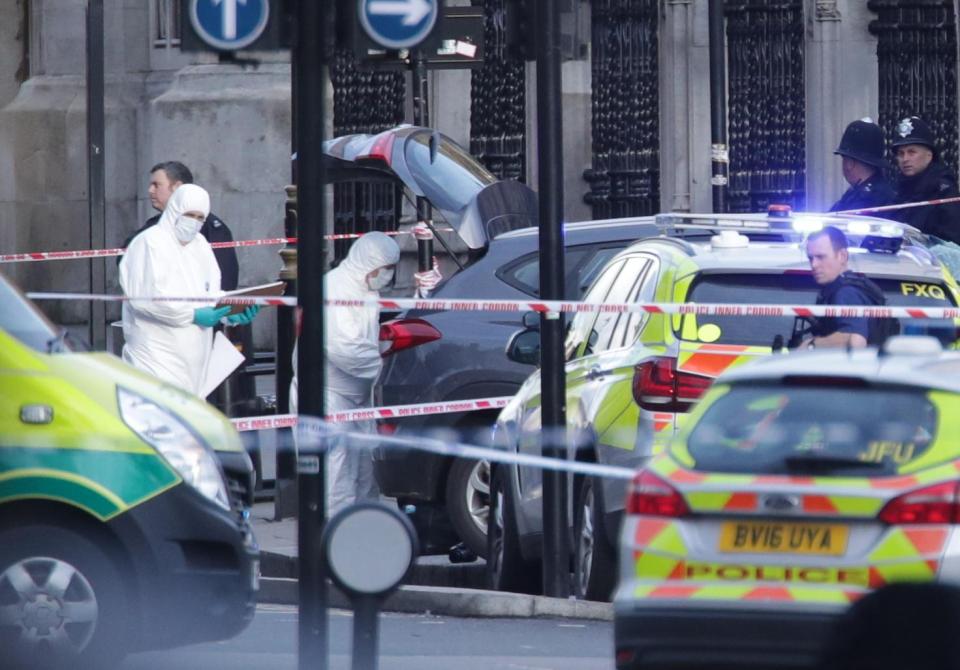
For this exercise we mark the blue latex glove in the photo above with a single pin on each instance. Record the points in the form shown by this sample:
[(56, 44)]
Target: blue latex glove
[(244, 317), (208, 317)]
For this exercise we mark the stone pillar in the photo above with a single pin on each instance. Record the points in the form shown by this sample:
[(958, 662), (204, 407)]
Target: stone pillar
[(841, 86), (684, 107), (577, 143), (231, 126), (13, 48), (43, 191)]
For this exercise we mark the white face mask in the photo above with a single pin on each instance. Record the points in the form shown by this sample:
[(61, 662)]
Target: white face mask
[(381, 280), (186, 228)]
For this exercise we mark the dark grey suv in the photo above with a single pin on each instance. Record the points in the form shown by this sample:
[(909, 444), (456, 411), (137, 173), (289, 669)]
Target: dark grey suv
[(467, 361)]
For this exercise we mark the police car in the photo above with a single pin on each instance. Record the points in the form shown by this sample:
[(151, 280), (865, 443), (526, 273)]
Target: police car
[(799, 484), (632, 378)]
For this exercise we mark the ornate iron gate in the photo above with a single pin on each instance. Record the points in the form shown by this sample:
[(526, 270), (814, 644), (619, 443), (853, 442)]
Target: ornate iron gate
[(364, 102), (625, 176), (766, 104), (497, 102), (917, 62)]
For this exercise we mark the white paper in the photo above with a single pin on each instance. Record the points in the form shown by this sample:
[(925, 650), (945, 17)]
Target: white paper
[(224, 359)]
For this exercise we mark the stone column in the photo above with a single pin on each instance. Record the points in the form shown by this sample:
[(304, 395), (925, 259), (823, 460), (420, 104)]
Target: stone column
[(43, 191), (684, 107), (841, 86)]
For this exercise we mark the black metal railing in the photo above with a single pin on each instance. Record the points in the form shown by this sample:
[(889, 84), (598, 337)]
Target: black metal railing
[(364, 102), (498, 101), (917, 64), (766, 104), (624, 178)]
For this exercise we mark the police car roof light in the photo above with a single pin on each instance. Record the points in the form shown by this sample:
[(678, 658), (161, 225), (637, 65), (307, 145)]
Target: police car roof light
[(807, 224), (796, 226), (779, 211)]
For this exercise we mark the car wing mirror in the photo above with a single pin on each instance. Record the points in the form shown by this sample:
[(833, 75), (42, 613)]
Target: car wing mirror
[(531, 320), (524, 347)]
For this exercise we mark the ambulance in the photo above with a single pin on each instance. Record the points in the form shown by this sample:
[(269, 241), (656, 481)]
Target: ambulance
[(123, 520)]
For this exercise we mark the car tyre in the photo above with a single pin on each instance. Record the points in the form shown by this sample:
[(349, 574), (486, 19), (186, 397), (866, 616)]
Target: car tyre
[(468, 501), (595, 560), (506, 568), (61, 600)]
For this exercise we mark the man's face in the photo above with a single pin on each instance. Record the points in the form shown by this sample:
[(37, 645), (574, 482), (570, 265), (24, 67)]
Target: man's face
[(913, 158), (825, 263), (160, 190), (855, 172)]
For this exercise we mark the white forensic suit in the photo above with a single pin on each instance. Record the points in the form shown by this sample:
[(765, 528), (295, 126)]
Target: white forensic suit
[(161, 337), (353, 363)]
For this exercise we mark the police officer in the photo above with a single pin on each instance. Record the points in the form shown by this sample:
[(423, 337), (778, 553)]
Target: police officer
[(165, 178), (862, 149), (923, 176), (829, 258)]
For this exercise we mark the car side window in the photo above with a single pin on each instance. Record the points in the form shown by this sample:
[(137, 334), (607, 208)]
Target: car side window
[(582, 324), (605, 328), (592, 267), (524, 274), (634, 321)]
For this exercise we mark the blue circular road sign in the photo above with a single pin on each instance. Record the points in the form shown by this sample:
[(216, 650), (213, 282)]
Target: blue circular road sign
[(398, 24), (229, 24)]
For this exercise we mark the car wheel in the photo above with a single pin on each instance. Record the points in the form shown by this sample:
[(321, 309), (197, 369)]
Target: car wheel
[(468, 502), (595, 563), (61, 600), (506, 568)]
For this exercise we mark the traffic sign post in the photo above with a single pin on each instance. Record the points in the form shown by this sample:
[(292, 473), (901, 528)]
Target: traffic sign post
[(233, 25), (398, 24), (229, 24)]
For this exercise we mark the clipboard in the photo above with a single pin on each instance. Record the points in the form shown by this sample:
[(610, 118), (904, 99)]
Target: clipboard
[(272, 289)]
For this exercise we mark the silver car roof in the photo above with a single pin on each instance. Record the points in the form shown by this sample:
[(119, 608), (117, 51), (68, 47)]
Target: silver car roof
[(627, 222), (940, 370)]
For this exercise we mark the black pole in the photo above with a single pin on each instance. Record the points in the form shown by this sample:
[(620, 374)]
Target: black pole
[(421, 117), (96, 192), (552, 381), (720, 155), (310, 118), (366, 633)]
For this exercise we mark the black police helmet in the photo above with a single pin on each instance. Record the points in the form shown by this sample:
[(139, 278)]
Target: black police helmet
[(913, 130), (863, 141)]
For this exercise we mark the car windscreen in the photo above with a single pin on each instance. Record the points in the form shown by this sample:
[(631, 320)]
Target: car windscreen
[(797, 288), (814, 429), (454, 177), (20, 319)]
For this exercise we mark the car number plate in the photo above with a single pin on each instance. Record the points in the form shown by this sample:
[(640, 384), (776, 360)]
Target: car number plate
[(764, 537)]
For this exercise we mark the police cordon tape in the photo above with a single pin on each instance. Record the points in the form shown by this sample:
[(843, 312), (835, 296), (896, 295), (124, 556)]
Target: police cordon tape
[(904, 205), (374, 413), (557, 306), (235, 244), (315, 434), (273, 241)]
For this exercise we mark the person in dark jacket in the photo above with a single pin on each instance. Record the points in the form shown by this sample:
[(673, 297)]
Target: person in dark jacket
[(923, 176), (164, 180), (829, 265), (862, 149)]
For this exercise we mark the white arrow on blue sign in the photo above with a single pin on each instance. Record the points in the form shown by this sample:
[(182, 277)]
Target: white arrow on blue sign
[(398, 24), (229, 24)]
